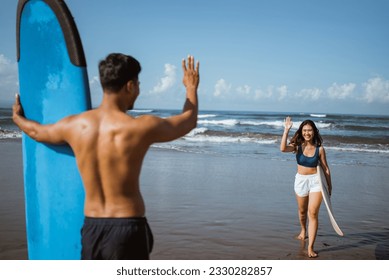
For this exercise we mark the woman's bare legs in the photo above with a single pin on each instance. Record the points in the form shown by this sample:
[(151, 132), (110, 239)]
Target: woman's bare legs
[(315, 199), (308, 207), (302, 203)]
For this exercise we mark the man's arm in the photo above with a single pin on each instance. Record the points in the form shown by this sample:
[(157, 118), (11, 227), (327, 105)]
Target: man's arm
[(51, 134), (163, 130)]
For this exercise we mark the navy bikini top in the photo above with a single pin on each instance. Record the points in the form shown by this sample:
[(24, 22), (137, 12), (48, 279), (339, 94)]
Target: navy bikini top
[(307, 161)]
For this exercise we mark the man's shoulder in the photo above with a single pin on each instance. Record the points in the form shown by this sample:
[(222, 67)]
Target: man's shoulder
[(82, 115), (79, 118), (146, 119), (145, 123)]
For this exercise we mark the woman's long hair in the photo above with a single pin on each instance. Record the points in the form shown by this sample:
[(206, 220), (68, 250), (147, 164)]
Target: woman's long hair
[(298, 138)]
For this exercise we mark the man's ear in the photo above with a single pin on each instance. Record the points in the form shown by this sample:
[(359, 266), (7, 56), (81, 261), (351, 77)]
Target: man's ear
[(130, 86)]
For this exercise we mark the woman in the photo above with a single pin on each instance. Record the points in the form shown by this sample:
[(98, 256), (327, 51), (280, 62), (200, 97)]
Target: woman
[(307, 145)]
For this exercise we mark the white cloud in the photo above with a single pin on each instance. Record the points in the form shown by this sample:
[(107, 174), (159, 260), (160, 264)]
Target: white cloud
[(94, 85), (282, 91), (376, 89), (279, 93), (95, 90), (263, 94), (340, 91), (310, 93), (8, 80), (94, 81), (271, 92), (221, 88), (244, 90), (167, 81)]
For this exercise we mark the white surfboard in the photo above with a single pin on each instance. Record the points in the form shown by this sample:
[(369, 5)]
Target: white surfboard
[(327, 199)]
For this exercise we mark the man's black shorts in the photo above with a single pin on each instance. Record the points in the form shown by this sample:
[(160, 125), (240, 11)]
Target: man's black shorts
[(116, 239)]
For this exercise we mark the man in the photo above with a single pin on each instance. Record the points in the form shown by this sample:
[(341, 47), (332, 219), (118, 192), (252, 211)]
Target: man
[(110, 146)]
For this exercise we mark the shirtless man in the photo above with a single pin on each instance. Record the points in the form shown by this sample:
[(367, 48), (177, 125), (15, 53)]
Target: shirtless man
[(109, 146)]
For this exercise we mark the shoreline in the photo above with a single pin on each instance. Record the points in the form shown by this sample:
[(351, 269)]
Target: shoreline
[(204, 206)]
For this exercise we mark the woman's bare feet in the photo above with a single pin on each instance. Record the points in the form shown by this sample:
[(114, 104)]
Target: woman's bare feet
[(312, 254), (302, 235)]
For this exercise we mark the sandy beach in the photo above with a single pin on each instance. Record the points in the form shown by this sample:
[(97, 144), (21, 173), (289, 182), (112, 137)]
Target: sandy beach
[(204, 206)]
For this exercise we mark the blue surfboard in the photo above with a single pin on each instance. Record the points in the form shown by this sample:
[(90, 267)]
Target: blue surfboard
[(53, 84)]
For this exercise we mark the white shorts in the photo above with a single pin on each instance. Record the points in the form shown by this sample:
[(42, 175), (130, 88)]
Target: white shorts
[(304, 184)]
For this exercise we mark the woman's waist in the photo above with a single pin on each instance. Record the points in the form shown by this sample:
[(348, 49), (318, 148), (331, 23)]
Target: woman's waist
[(303, 170)]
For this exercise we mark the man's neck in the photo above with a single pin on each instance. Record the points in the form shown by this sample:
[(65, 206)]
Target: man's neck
[(112, 102)]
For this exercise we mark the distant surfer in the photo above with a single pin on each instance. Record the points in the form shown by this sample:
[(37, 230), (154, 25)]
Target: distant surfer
[(110, 146), (307, 145)]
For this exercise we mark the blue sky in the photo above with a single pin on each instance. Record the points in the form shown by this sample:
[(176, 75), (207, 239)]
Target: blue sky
[(293, 56)]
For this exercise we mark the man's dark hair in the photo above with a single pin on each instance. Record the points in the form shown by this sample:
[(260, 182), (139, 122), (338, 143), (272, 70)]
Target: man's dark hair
[(117, 69)]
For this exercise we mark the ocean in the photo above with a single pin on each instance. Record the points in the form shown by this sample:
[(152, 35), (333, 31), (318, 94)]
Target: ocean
[(225, 191), (348, 139)]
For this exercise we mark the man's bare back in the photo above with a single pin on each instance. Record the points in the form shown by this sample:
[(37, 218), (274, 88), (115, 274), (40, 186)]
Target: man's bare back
[(116, 143), (110, 145)]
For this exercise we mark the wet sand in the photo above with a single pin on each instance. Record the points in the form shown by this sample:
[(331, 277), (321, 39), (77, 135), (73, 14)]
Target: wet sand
[(203, 206), (12, 218)]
